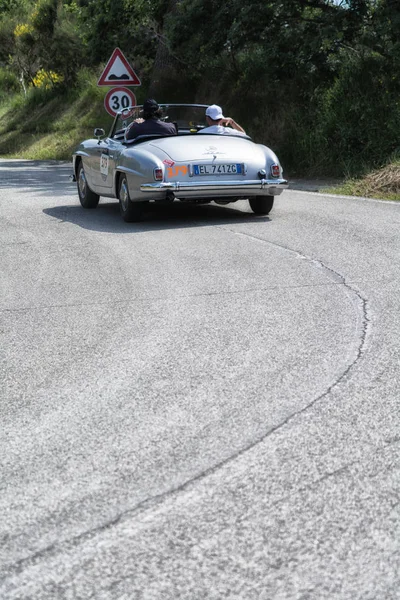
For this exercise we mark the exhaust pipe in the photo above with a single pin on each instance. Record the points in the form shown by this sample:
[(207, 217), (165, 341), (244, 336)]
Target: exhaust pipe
[(168, 199)]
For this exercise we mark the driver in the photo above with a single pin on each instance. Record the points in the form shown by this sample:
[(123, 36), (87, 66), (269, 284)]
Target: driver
[(217, 123), (150, 124)]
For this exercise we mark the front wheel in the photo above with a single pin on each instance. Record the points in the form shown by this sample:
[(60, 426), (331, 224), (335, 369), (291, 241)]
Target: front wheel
[(87, 198), (131, 212), (261, 205)]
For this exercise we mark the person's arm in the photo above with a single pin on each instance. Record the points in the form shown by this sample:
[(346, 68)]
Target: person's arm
[(171, 128), (133, 130), (229, 121)]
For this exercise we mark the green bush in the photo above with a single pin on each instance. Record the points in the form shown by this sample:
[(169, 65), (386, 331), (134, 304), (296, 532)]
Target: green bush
[(359, 119), (9, 83)]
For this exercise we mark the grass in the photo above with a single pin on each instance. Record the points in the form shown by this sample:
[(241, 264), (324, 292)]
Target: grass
[(49, 124), (383, 184)]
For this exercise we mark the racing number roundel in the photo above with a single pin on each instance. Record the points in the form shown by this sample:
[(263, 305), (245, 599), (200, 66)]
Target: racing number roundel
[(117, 99)]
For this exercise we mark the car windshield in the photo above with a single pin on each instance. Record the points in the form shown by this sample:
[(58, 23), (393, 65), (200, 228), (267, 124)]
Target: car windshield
[(188, 118)]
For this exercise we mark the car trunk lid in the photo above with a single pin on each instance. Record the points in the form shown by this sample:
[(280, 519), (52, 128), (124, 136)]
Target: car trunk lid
[(205, 148)]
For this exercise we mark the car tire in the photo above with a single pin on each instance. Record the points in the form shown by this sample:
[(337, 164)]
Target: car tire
[(87, 198), (131, 212), (261, 205)]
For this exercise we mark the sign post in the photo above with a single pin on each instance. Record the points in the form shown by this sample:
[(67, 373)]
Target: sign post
[(119, 74)]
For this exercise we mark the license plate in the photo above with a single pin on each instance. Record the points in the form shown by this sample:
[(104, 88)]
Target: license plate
[(234, 169)]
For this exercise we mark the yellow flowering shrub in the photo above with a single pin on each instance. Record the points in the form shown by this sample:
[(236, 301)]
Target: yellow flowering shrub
[(22, 29), (46, 79)]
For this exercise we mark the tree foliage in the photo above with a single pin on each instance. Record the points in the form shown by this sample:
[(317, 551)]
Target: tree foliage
[(313, 78), (42, 36), (128, 24), (309, 71)]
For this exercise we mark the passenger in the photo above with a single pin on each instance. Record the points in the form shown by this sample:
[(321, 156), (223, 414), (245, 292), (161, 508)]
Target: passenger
[(150, 124), (217, 123)]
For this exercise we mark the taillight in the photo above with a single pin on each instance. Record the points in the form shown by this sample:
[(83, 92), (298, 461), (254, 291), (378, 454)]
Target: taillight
[(275, 170), (158, 174)]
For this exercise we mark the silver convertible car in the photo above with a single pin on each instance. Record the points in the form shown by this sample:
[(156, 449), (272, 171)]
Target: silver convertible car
[(188, 167)]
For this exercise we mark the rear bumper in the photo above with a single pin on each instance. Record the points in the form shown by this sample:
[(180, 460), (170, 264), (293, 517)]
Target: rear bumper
[(272, 187)]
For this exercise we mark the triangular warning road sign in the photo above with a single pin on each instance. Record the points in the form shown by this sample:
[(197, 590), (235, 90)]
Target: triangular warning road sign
[(118, 71)]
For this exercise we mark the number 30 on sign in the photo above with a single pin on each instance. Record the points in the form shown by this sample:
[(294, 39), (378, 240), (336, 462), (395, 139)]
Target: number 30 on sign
[(117, 99)]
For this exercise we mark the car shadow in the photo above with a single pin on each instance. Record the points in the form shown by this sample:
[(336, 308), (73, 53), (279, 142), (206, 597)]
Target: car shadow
[(178, 215), (53, 178)]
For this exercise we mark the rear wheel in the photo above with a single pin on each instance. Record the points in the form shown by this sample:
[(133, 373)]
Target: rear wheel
[(261, 205), (131, 212), (87, 198)]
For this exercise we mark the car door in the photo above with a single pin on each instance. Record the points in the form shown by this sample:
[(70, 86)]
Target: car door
[(103, 165)]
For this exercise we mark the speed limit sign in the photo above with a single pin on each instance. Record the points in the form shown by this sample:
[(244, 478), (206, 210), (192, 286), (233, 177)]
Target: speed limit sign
[(117, 99)]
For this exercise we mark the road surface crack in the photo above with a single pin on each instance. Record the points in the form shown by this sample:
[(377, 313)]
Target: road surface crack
[(154, 501), (126, 301), (338, 278)]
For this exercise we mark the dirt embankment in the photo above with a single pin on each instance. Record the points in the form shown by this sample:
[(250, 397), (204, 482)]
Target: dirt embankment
[(382, 184)]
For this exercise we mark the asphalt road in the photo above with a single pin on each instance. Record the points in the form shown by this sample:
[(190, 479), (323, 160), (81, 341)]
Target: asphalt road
[(201, 406)]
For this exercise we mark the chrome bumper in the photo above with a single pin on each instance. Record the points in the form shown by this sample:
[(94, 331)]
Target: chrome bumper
[(274, 186)]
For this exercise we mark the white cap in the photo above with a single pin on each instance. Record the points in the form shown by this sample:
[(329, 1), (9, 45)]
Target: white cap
[(214, 112)]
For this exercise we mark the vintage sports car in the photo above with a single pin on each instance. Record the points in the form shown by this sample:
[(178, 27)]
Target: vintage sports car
[(189, 167)]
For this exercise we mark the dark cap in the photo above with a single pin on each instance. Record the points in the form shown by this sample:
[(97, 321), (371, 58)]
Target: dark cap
[(150, 106)]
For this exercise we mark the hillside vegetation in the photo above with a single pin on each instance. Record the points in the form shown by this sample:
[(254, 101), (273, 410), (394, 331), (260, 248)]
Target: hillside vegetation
[(317, 80), (47, 124)]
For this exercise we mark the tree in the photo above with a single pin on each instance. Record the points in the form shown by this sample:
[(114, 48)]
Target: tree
[(48, 42)]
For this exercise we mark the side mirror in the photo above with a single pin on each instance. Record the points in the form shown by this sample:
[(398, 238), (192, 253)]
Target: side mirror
[(99, 133)]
